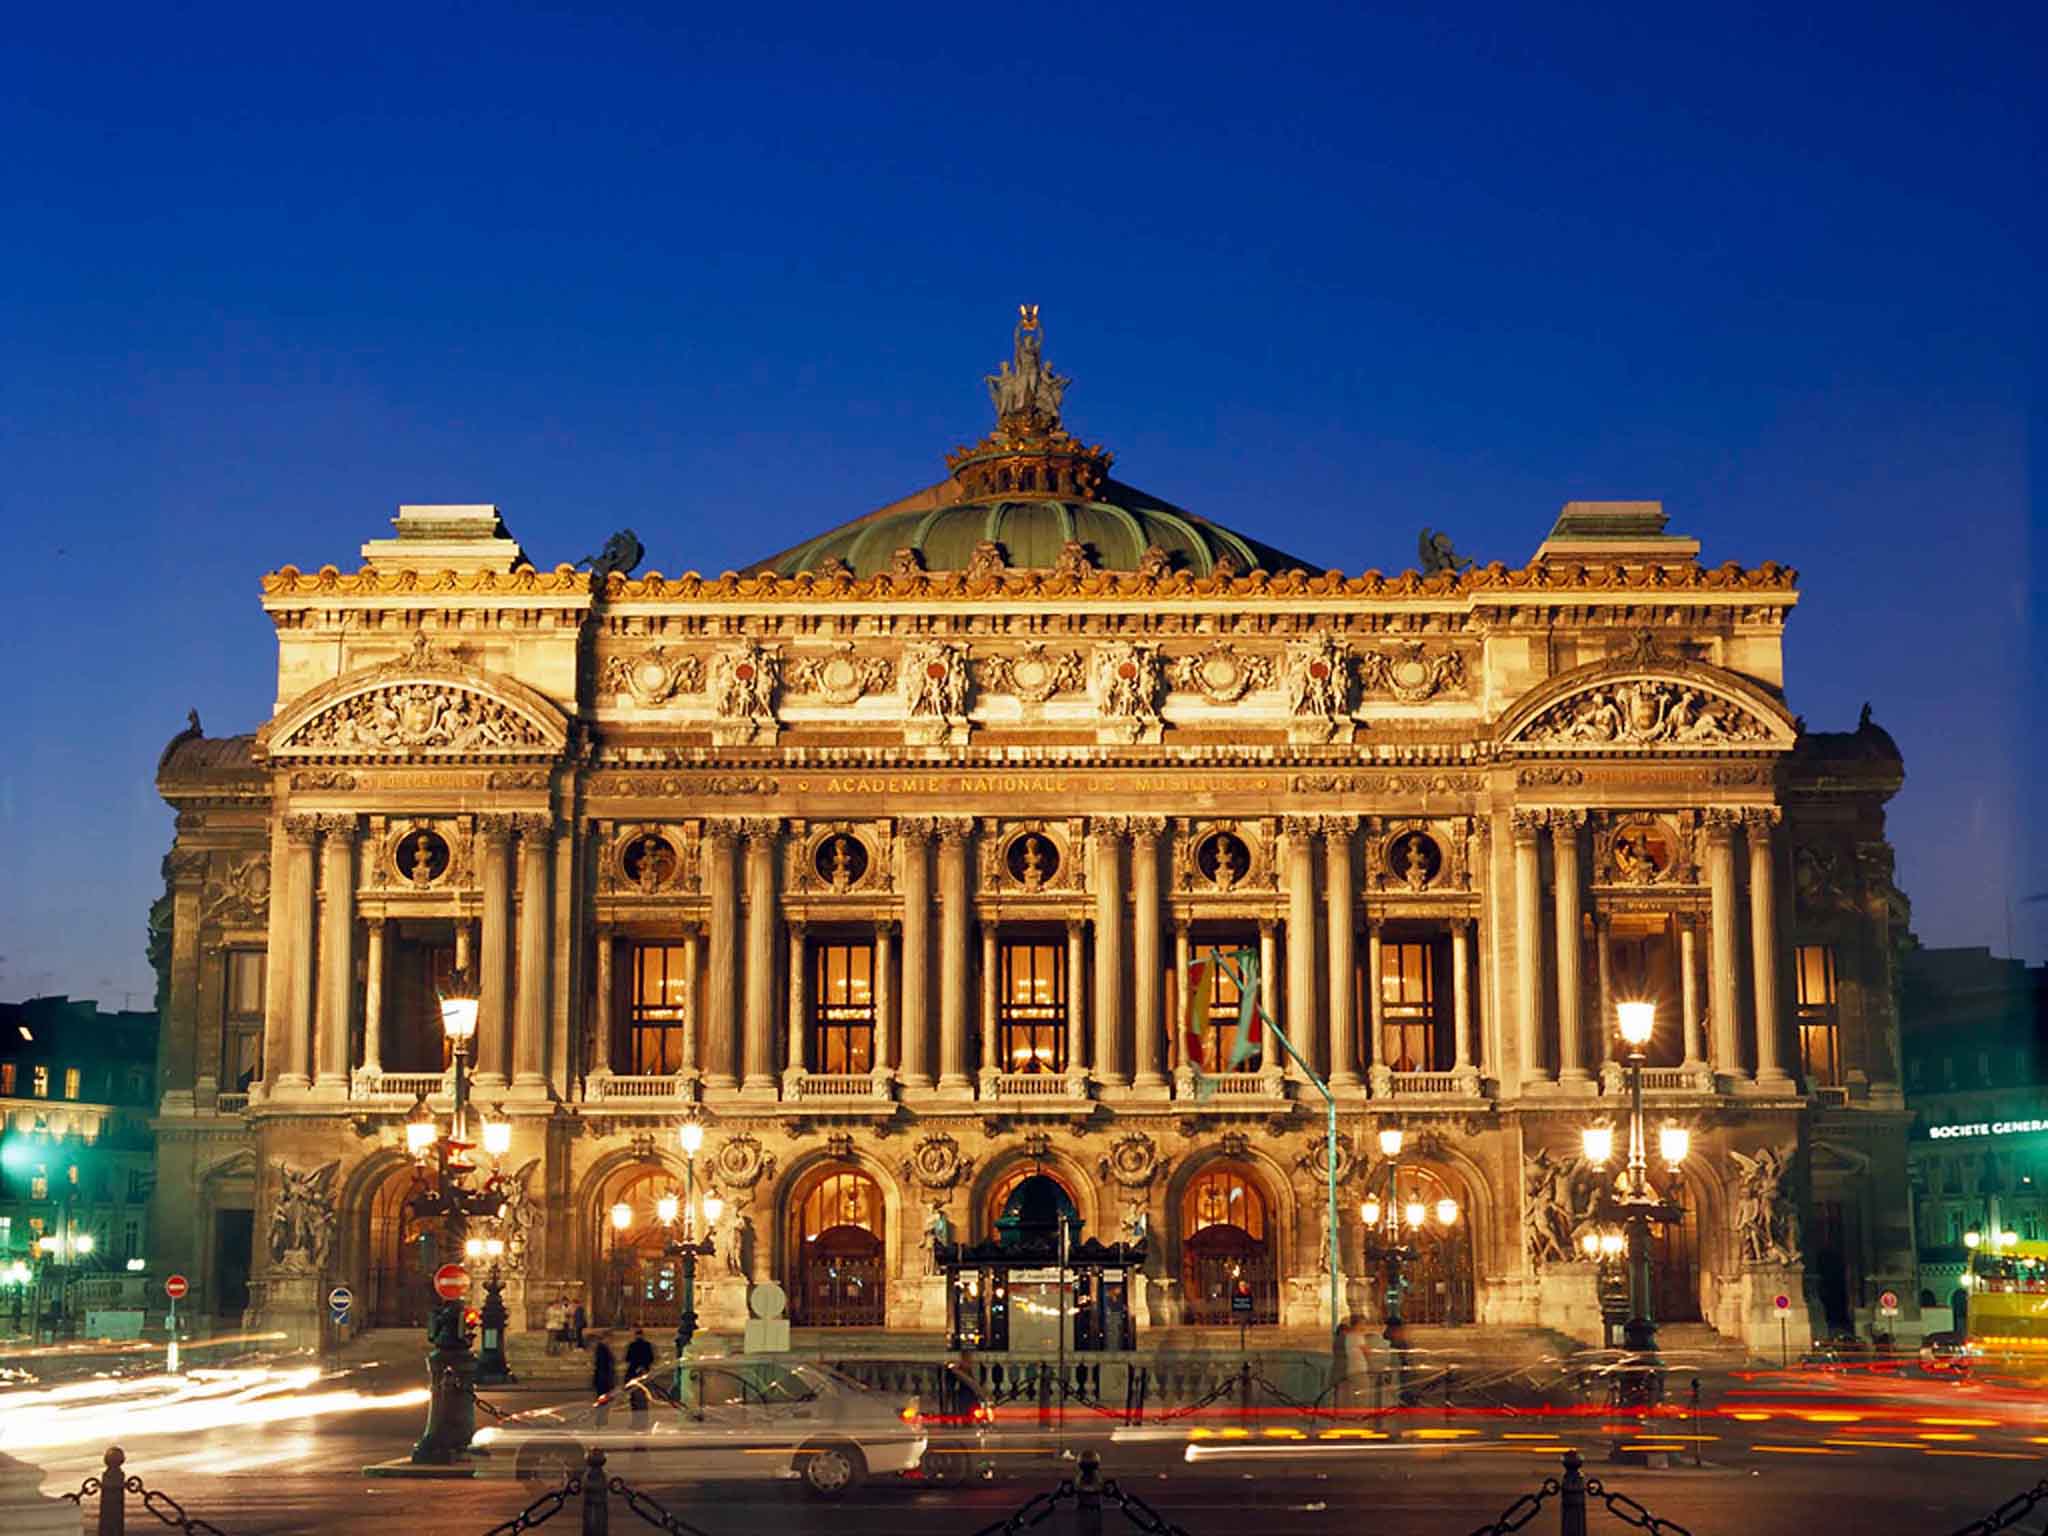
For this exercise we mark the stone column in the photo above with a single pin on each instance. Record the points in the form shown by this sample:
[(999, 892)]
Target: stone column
[(1603, 947), (536, 932), (693, 1005), (954, 918), (1528, 825), (1301, 943), (1109, 950), (1344, 1052), (1376, 990), (185, 1067), (601, 1025), (799, 1011), (721, 989), (1689, 988), (1077, 1004), (1269, 988), (1461, 990), (337, 953), (1571, 1015), (277, 950), (885, 995), (763, 835), (494, 969), (913, 837), (1763, 945), (296, 1076), (373, 998), (1183, 957), (991, 1057), (1721, 1001), (1148, 1004)]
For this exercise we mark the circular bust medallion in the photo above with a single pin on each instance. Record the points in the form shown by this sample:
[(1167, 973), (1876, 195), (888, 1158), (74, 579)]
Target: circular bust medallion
[(1414, 859), (1223, 859), (421, 856), (840, 860)]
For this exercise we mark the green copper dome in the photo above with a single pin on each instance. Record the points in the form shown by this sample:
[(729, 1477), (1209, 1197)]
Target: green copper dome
[(1031, 532)]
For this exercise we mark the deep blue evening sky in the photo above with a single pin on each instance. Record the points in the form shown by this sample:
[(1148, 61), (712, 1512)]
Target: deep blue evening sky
[(730, 277)]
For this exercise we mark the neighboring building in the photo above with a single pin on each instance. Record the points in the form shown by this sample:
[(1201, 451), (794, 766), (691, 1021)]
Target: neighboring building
[(1976, 1048), (888, 858), (77, 1161)]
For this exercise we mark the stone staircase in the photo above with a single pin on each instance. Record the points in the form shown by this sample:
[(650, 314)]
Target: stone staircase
[(1699, 1344)]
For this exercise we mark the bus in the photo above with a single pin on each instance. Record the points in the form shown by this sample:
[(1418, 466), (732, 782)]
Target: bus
[(2006, 1320)]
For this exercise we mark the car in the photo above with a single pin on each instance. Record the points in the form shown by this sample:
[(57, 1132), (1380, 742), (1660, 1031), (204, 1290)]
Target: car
[(1943, 1352), (736, 1417), (956, 1414)]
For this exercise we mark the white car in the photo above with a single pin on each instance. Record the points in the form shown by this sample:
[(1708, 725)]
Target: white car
[(739, 1417)]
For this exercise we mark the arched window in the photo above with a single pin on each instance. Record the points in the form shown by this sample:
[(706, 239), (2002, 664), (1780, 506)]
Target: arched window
[(1027, 1208), (837, 1271), (1227, 1267)]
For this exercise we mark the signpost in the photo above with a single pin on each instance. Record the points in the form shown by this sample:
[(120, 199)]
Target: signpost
[(1888, 1304), (1784, 1305), (451, 1282), (175, 1287)]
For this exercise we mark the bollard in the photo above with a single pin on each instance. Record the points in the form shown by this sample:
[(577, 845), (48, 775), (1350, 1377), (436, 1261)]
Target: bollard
[(1572, 1498), (1244, 1393), (1695, 1421), (597, 1517), (113, 1494), (1088, 1496)]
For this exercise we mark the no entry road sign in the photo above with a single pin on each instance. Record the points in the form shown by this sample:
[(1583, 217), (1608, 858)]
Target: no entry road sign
[(451, 1282)]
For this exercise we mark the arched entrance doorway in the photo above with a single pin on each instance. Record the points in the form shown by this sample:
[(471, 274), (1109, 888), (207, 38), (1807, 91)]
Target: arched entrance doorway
[(1227, 1269), (837, 1266), (403, 1251), (1675, 1260), (1027, 1208), (637, 1284), (1436, 1228)]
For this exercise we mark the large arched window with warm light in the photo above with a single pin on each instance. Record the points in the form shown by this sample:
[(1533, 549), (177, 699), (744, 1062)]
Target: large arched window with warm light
[(836, 1269), (1228, 1274)]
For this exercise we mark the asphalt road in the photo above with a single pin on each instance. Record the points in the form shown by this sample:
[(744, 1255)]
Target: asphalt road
[(1780, 1454)]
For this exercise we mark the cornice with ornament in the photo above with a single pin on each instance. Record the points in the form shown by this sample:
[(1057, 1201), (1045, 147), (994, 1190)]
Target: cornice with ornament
[(914, 586)]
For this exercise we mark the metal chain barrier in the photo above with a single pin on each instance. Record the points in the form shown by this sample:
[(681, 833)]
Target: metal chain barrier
[(1141, 1514), (1522, 1511), (651, 1511), (542, 1509), (1627, 1510), (2007, 1515), (1033, 1511), (1223, 1388), (113, 1488)]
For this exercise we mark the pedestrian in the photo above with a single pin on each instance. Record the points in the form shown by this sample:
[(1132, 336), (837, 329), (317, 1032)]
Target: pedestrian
[(603, 1376), (556, 1325), (579, 1319), (639, 1361)]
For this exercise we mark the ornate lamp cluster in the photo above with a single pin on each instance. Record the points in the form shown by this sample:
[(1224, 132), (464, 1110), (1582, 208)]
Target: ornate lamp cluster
[(1633, 1205), (686, 1245), (441, 1188), (1391, 1227)]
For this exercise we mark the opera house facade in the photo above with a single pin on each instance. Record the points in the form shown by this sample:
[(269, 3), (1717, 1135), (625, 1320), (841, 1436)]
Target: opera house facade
[(888, 859)]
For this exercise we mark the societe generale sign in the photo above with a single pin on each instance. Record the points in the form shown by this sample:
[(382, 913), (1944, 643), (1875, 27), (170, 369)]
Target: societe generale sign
[(1985, 1128)]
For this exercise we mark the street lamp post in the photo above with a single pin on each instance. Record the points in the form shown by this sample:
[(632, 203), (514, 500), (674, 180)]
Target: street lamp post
[(1384, 1227), (441, 1189), (1636, 1203), (689, 1247)]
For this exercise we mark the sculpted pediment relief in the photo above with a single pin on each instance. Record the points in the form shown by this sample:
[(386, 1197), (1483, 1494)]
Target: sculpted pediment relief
[(1634, 705), (425, 704)]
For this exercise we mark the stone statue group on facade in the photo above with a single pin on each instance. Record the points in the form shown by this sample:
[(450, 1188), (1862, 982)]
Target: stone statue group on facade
[(302, 1219), (1560, 1198), (1766, 1217)]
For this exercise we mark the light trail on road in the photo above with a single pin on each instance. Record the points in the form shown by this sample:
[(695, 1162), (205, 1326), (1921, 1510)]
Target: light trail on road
[(103, 1412)]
